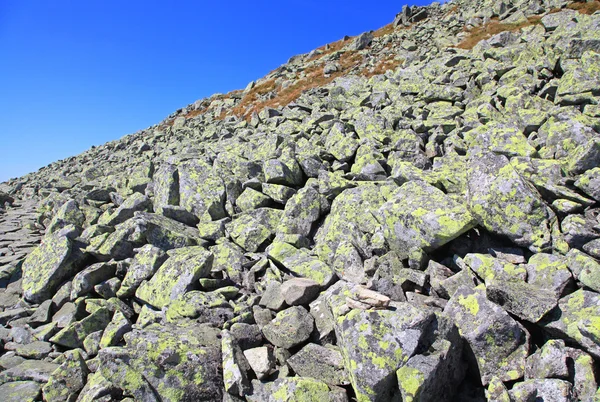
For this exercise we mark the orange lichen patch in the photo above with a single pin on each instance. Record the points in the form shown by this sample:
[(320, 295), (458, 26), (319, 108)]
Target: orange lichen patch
[(492, 28), (588, 8)]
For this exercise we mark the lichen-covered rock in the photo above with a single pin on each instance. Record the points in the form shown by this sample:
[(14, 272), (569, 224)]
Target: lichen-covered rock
[(167, 363), (301, 263), (20, 391), (145, 264), (526, 301), (136, 202), (351, 218), (29, 370), (251, 199), (99, 388), (589, 183), (577, 319), (420, 215), (201, 190), (505, 204), (289, 328), (68, 214), (55, 260), (166, 233), (184, 267), (546, 390), (295, 389), (500, 139), (114, 331), (301, 212), (73, 335), (375, 343), (457, 190), (499, 343), (433, 377), (166, 186), (323, 363), (34, 350), (67, 380), (205, 307), (248, 232), (235, 366), (85, 280), (550, 272)]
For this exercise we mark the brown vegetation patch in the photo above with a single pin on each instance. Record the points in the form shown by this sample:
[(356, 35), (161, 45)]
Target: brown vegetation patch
[(383, 31), (313, 78), (587, 8), (330, 48), (492, 28), (389, 63)]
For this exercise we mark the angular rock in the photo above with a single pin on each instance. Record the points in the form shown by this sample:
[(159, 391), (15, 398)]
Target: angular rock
[(420, 215), (376, 343), (325, 364), (235, 366), (576, 320), (261, 360), (85, 280), (73, 335), (55, 260), (184, 267), (546, 390), (168, 363), (145, 264), (301, 212), (301, 263), (136, 202), (295, 389), (20, 391), (29, 370), (499, 343), (299, 291), (505, 204), (289, 328), (166, 233), (67, 380), (201, 190)]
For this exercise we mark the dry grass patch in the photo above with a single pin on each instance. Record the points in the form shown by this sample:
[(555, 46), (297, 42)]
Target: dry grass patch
[(492, 28), (383, 31), (382, 66), (330, 48), (313, 78), (587, 8)]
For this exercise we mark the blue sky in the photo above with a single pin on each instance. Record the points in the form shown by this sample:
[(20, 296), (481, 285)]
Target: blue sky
[(77, 73)]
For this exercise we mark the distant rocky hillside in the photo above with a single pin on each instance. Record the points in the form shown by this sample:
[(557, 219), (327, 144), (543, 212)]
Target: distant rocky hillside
[(407, 215)]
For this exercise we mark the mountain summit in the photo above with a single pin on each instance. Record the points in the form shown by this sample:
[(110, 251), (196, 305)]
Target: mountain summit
[(411, 214)]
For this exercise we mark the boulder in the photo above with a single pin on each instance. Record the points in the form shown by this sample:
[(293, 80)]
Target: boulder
[(174, 277)]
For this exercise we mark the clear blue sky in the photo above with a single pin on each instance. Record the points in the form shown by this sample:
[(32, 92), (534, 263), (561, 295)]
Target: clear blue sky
[(77, 73)]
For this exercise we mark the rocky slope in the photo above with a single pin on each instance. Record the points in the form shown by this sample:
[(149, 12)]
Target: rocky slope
[(411, 214)]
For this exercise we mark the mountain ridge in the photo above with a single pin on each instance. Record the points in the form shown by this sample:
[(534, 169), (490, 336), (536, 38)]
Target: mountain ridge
[(409, 214)]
